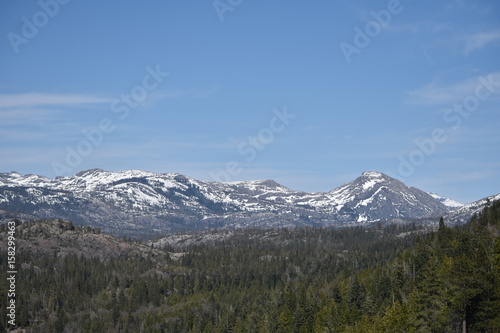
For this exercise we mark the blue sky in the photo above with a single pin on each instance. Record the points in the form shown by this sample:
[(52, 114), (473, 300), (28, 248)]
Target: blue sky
[(309, 94)]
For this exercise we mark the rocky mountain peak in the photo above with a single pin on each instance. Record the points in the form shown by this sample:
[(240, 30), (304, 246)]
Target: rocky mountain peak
[(90, 172), (373, 174), (146, 202), (369, 179)]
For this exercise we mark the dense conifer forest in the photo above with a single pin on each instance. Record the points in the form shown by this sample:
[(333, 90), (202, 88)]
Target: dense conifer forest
[(397, 278)]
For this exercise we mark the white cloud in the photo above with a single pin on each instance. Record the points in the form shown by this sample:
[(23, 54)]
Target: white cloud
[(438, 93), (454, 5), (165, 94), (479, 40), (186, 93), (22, 115), (458, 40), (42, 99), (22, 135), (434, 28), (36, 100)]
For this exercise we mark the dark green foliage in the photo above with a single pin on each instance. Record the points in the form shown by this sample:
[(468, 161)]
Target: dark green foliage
[(302, 280)]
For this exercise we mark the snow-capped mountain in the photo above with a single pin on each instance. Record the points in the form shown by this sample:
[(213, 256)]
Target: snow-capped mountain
[(136, 201), (446, 201), (375, 196), (465, 212)]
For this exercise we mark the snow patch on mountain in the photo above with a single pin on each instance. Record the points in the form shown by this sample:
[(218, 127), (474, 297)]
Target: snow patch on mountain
[(464, 213), (446, 201), (148, 201), (371, 178)]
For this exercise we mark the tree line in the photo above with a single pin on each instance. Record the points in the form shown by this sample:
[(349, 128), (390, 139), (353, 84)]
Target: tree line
[(399, 278)]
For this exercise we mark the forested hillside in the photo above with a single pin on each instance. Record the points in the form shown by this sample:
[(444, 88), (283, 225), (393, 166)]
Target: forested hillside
[(391, 279)]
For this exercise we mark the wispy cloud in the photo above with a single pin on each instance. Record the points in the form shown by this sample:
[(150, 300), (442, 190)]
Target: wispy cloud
[(11, 116), (26, 156), (479, 40), (186, 93), (23, 135), (431, 27), (454, 5), (439, 93), (35, 99), (459, 40), (43, 108), (43, 99), (166, 94)]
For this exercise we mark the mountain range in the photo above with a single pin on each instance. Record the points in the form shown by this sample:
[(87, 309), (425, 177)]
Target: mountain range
[(139, 203)]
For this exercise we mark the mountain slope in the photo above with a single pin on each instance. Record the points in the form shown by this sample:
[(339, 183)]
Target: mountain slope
[(135, 201), (464, 213), (446, 201), (374, 196), (61, 238)]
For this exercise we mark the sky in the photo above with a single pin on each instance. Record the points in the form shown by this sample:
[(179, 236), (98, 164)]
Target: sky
[(310, 94)]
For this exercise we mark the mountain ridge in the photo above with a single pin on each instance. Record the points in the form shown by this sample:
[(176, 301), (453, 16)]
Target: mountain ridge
[(137, 201)]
